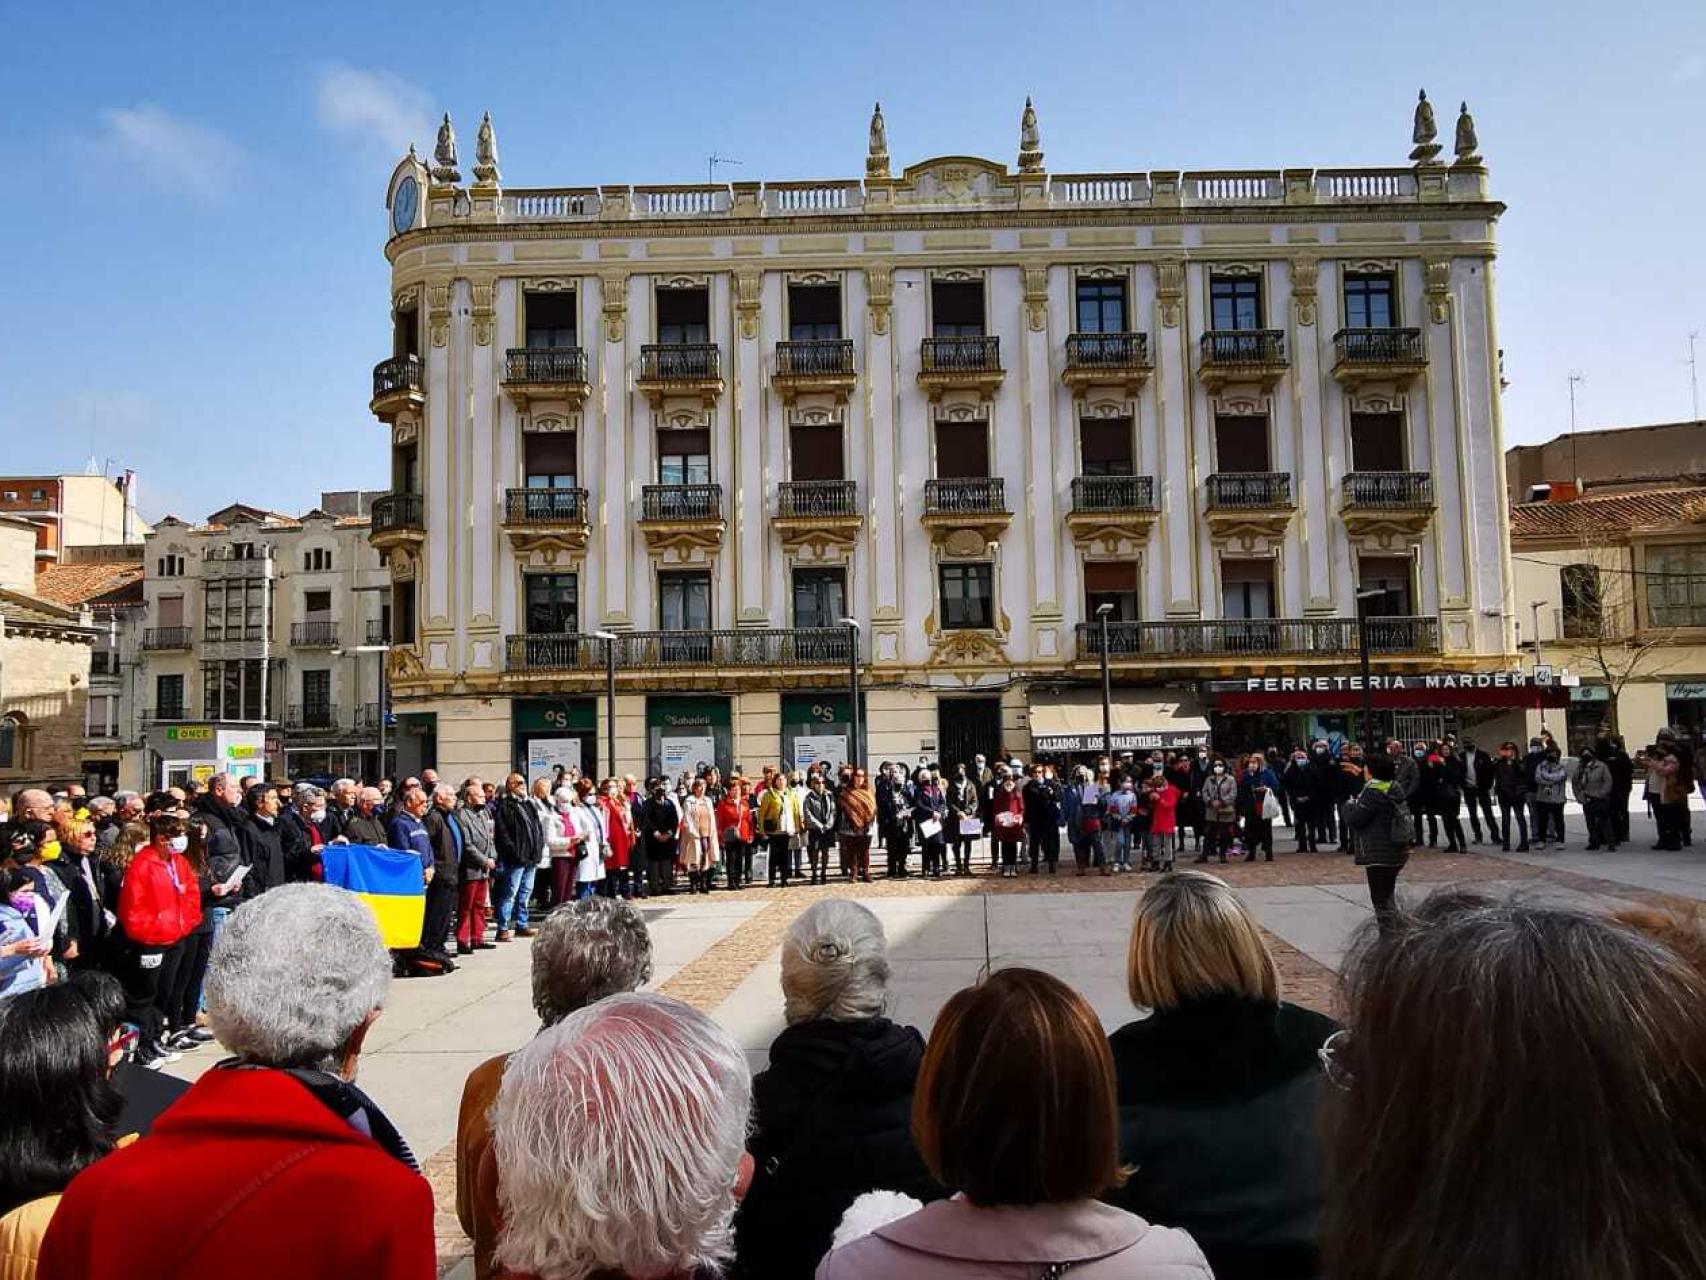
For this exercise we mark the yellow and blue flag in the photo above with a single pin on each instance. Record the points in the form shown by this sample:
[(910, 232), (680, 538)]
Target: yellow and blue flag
[(388, 881)]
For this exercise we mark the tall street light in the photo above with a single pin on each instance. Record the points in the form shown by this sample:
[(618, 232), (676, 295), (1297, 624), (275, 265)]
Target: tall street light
[(609, 639), (852, 625), (1535, 606), (1103, 612), (1364, 595)]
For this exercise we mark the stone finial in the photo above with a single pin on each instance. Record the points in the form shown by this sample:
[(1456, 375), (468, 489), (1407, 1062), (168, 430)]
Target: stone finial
[(1030, 141), (1424, 131), (877, 157), (1466, 141), (444, 154), (486, 153)]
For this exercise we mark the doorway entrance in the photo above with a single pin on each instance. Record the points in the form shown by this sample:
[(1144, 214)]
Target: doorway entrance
[(965, 729)]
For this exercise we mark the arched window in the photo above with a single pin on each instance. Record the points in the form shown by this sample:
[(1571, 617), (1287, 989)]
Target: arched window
[(12, 742)]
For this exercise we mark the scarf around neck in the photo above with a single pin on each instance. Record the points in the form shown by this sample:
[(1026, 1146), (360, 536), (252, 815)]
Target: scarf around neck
[(344, 1100)]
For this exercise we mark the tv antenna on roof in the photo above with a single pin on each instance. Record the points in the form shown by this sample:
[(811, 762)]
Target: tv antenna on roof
[(711, 163)]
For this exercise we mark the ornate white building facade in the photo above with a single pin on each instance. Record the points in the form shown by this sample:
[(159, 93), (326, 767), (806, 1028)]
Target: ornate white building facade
[(967, 407)]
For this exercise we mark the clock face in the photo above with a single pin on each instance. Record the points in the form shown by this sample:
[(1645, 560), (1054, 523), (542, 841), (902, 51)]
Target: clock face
[(403, 205)]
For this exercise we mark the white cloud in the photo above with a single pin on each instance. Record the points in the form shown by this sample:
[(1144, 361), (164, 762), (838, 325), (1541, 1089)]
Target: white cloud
[(169, 149), (382, 111)]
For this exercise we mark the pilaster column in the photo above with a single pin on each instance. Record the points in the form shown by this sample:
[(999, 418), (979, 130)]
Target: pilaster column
[(749, 502), (609, 293)]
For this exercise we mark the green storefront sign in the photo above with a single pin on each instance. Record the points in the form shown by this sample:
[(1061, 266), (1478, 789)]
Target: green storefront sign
[(687, 713), (189, 733), (553, 715)]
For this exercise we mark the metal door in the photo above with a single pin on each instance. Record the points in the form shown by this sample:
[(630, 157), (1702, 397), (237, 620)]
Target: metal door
[(967, 728)]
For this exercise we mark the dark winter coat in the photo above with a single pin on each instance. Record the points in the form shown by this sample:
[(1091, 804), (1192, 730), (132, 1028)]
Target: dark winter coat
[(299, 838), (831, 1119), (1380, 817), (1042, 804), (1511, 782), (263, 849), (1219, 1100), (1406, 775), (445, 852), (361, 830), (519, 838), (224, 847), (478, 856)]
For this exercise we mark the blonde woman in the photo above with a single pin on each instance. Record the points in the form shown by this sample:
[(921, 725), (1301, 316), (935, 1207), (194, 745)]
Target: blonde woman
[(696, 851), (1219, 1086)]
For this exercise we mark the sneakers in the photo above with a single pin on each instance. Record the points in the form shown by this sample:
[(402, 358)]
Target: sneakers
[(156, 1056)]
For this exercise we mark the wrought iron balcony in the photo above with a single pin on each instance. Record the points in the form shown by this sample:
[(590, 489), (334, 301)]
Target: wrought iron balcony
[(1365, 355), (367, 717), (978, 495), (1107, 359), (314, 635), (545, 373), (378, 632), (397, 384), (1249, 491), (644, 651), (679, 503), (321, 716), (960, 363), (398, 511), (815, 499), (535, 506), (681, 369), (1388, 489), (1113, 493), (814, 366), (1272, 637), (166, 638), (1242, 355)]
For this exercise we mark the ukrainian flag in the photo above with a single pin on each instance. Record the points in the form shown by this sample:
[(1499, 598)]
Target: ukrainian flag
[(388, 881)]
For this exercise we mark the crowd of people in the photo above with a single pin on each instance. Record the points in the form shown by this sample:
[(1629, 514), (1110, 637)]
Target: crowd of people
[(1221, 1132)]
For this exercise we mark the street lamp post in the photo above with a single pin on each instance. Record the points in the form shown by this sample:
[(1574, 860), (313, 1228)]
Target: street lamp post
[(1535, 606), (1103, 612), (852, 625), (609, 639), (1364, 595), (379, 649)]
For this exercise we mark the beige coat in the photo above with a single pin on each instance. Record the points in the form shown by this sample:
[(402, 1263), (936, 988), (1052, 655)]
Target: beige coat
[(21, 1232)]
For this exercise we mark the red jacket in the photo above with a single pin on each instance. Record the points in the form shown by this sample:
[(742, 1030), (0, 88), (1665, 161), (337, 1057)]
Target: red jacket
[(248, 1174), (155, 911), (735, 814), (620, 821), (1008, 802)]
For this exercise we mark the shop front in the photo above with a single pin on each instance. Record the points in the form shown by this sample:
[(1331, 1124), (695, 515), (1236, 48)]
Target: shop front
[(1685, 706), (1284, 711), (685, 734), (1066, 725), (195, 752), (1589, 706), (818, 727), (548, 732)]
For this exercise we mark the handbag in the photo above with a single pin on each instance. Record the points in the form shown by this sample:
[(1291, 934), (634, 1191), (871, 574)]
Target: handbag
[(1270, 806), (729, 835)]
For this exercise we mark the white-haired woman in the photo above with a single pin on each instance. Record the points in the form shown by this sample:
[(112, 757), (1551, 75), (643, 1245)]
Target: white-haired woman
[(832, 1113), (620, 1135), (1219, 1085)]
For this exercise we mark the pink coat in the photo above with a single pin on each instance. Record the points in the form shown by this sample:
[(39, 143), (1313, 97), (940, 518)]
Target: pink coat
[(954, 1239)]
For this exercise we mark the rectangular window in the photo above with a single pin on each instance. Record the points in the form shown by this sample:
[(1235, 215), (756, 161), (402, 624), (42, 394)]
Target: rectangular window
[(1105, 447), (1390, 575), (405, 470), (814, 312), (1241, 443), (1583, 603), (553, 603), (405, 333), (1370, 301), (550, 319), (1111, 582), (316, 697), (1246, 589), (1676, 586), (814, 453), (684, 601), (1377, 442), (316, 605), (684, 457), (956, 308), (170, 610), (820, 597), (1101, 306), (550, 459), (684, 316), (403, 612), (1235, 302), (103, 662), (962, 450), (169, 697), (968, 596)]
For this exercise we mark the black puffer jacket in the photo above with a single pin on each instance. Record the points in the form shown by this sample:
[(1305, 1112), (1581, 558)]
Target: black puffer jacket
[(1218, 1112), (263, 849), (224, 843), (831, 1119)]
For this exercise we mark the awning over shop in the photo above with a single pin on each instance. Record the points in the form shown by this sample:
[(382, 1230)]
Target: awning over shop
[(1068, 722)]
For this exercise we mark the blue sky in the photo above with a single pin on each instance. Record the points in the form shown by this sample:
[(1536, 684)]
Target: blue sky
[(197, 287)]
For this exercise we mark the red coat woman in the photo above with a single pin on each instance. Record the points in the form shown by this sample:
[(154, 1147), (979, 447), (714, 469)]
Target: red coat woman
[(619, 821), (160, 901)]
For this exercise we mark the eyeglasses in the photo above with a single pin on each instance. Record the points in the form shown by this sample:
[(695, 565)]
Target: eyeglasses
[(1332, 1055)]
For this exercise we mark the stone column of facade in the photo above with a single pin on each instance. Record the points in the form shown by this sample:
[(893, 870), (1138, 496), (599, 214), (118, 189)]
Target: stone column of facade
[(885, 502), (748, 499), (610, 293), (445, 411), (1463, 288), (1046, 463), (483, 494), (1198, 431), (1317, 482)]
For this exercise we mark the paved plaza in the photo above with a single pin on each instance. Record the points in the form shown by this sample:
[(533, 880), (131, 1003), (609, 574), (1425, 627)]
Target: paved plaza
[(722, 953)]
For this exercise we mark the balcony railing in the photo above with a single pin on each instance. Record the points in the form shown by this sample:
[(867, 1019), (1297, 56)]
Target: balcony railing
[(1389, 489), (1112, 351), (1249, 490), (367, 717), (1268, 636), (166, 638), (650, 650), (311, 715), (401, 373), (1113, 493), (979, 354), (681, 362), (171, 712), (1235, 347), (1353, 347), (545, 506), (815, 358), (805, 499), (545, 364), (398, 511), (378, 632), (681, 502), (314, 635), (952, 497)]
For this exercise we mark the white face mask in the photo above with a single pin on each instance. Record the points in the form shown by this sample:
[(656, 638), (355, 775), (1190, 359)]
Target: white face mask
[(318, 815), (177, 844)]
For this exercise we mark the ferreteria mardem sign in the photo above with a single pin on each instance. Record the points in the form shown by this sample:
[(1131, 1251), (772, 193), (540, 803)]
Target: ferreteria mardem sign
[(1543, 678), (1541, 687)]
